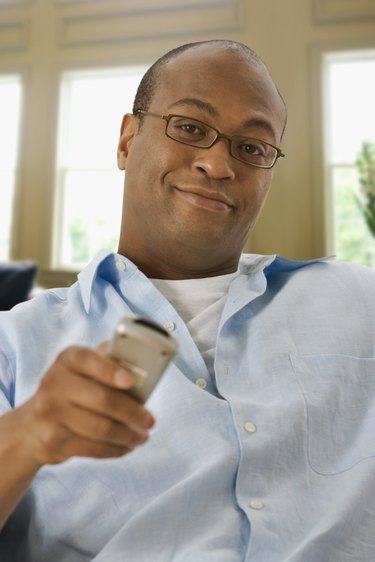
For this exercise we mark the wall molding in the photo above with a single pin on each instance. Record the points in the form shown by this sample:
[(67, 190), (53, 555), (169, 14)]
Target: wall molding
[(13, 3), (134, 23), (140, 5), (339, 10), (14, 35)]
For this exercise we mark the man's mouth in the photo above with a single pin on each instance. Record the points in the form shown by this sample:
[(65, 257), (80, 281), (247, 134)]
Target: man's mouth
[(205, 198)]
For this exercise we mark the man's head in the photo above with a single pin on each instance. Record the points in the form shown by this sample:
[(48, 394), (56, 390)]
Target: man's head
[(150, 79), (188, 209)]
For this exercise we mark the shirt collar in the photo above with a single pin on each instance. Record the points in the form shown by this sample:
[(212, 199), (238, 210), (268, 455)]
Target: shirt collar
[(284, 265), (110, 266), (251, 263)]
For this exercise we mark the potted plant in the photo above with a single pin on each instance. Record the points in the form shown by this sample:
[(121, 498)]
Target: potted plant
[(365, 164)]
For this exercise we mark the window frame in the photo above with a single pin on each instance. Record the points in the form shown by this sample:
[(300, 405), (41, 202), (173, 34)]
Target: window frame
[(66, 79), (321, 172), (15, 227)]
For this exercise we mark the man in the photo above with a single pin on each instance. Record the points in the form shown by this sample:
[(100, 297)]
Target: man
[(262, 445)]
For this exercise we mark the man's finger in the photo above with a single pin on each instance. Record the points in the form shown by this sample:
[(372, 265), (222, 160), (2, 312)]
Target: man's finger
[(91, 363)]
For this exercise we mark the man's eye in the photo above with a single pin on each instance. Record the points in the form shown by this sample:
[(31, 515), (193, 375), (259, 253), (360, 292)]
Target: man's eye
[(191, 129), (257, 149)]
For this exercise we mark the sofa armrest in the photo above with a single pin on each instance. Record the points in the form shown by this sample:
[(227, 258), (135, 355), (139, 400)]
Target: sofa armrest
[(16, 282)]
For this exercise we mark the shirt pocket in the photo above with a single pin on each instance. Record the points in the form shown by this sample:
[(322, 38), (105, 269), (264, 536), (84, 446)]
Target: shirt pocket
[(339, 398)]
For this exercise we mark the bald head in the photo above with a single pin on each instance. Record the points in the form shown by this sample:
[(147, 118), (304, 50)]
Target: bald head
[(153, 76)]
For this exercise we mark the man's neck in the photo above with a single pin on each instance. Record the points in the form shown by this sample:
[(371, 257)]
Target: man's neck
[(179, 267)]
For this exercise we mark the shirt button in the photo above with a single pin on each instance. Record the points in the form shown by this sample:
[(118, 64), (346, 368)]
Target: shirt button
[(202, 383), (121, 266), (256, 504), (250, 427), (170, 326)]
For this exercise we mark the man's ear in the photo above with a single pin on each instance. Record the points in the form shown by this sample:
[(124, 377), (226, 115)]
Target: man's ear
[(129, 128)]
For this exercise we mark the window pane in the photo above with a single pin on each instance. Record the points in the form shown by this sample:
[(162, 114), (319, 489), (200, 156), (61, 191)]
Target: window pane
[(90, 187), (91, 214), (10, 107), (352, 108), (351, 120)]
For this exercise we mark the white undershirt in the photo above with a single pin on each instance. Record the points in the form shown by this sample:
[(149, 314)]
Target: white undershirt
[(200, 303)]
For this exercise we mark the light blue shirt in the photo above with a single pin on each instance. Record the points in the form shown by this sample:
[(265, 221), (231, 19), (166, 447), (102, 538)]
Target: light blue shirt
[(274, 463)]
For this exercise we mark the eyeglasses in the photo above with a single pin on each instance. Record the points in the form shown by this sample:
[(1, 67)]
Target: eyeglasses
[(196, 133)]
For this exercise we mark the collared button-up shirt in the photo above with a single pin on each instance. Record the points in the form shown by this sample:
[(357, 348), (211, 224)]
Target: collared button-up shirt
[(272, 462)]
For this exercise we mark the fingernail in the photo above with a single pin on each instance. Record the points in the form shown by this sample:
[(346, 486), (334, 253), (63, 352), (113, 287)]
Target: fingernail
[(149, 421), (122, 379)]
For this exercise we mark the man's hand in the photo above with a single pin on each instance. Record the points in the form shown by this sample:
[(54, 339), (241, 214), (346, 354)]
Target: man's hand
[(80, 409)]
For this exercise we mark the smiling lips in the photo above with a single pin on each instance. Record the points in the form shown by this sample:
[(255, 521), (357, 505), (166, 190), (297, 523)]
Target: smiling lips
[(205, 198)]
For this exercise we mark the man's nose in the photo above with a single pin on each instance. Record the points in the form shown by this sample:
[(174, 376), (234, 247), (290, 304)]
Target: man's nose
[(216, 161)]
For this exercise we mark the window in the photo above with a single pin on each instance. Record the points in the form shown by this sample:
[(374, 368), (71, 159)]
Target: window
[(350, 88), (89, 187), (10, 111)]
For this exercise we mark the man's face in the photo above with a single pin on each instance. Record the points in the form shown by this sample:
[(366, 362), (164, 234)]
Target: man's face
[(197, 200)]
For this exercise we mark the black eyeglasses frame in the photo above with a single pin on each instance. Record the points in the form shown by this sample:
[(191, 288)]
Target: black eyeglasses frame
[(168, 117)]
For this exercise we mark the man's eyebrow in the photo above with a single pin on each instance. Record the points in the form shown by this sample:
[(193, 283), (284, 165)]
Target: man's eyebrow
[(195, 102), (260, 123)]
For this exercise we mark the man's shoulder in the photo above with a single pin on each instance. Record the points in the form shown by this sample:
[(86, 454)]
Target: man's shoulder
[(42, 300), (345, 270), (326, 272), (38, 314)]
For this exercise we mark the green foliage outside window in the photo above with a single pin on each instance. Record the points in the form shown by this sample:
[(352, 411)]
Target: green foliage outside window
[(366, 171), (354, 205), (352, 239)]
